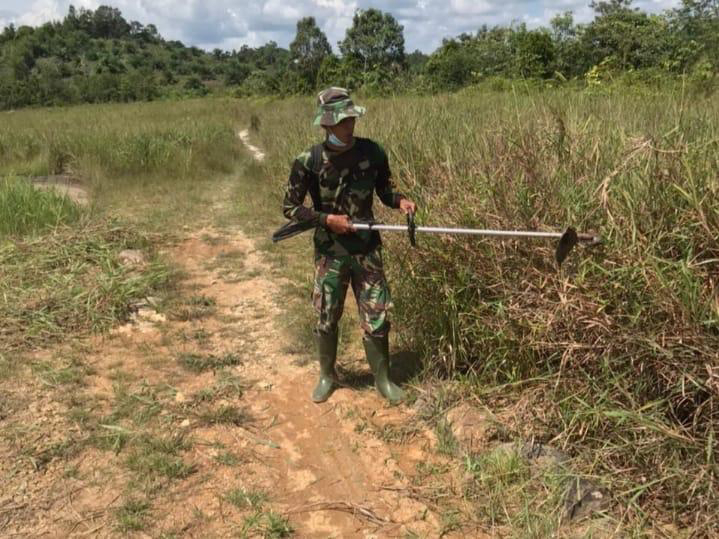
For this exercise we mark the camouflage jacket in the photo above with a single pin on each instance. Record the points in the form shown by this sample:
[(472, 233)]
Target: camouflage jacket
[(343, 183)]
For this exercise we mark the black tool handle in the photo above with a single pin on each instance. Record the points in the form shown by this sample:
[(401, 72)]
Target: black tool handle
[(411, 229)]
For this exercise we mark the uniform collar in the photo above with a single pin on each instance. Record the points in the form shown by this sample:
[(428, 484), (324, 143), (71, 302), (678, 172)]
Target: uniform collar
[(334, 150)]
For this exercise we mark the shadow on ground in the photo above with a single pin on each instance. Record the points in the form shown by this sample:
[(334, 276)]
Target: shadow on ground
[(404, 365)]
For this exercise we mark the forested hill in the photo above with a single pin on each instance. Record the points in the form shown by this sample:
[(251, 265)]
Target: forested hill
[(98, 56)]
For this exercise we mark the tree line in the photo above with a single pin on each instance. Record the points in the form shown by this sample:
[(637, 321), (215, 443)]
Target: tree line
[(96, 56)]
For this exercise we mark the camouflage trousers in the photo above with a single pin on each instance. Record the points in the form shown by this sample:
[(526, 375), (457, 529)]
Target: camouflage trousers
[(333, 275)]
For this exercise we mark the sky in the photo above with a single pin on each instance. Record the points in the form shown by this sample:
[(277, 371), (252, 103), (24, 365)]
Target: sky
[(229, 24)]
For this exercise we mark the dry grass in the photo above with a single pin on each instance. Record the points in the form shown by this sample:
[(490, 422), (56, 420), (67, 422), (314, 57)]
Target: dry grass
[(613, 358)]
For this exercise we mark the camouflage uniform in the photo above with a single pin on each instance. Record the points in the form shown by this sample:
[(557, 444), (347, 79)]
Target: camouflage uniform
[(343, 183)]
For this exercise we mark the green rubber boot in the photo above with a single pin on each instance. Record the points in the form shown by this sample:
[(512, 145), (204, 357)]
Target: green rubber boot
[(327, 351), (377, 351)]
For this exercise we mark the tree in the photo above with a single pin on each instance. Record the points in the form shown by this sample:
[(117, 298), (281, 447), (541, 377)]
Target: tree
[(566, 45), (533, 53), (625, 37), (108, 22), (309, 48), (374, 41), (452, 65), (416, 61), (696, 28)]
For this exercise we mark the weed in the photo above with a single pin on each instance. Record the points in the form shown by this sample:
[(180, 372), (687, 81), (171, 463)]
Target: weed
[(243, 498), (26, 210), (269, 524), (227, 458), (70, 283), (277, 526), (201, 363), (71, 374), (132, 515), (193, 308), (446, 442), (226, 385), (224, 415), (154, 457), (7, 368)]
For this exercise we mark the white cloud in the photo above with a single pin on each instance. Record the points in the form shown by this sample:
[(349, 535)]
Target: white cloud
[(471, 7), (278, 8), (229, 24)]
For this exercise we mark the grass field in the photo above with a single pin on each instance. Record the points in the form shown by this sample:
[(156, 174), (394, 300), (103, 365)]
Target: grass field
[(613, 358), (616, 353)]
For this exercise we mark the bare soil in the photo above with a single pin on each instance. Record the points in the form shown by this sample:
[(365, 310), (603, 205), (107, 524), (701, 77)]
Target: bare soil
[(345, 468)]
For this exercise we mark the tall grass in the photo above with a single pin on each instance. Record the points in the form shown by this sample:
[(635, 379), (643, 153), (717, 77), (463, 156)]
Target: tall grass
[(617, 352), (26, 210), (111, 145), (66, 278)]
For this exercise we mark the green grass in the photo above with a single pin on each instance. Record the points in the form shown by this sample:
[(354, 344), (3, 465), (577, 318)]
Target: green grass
[(70, 373), (26, 210), (243, 499), (224, 415), (611, 351), (109, 144), (132, 515), (71, 282), (269, 525), (189, 308), (613, 355), (200, 363), (158, 457)]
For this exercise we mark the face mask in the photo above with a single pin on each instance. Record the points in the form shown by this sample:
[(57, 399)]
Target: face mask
[(332, 139)]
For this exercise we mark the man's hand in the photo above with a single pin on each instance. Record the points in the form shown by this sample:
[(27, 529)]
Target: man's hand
[(339, 224), (407, 206)]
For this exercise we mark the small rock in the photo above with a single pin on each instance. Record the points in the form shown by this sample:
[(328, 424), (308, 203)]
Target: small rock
[(180, 397), (132, 257), (150, 315), (469, 427), (542, 456), (185, 423), (584, 498)]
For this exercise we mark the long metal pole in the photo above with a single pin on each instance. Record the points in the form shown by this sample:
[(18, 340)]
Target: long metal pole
[(470, 231)]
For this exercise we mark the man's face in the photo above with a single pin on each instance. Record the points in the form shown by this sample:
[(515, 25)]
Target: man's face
[(344, 130)]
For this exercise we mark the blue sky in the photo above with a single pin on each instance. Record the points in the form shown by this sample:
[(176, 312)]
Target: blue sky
[(229, 24)]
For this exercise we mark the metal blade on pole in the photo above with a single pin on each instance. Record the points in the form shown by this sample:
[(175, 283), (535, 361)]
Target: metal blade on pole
[(469, 231), (567, 239)]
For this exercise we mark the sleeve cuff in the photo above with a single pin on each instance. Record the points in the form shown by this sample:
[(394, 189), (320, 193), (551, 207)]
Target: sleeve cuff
[(323, 219), (397, 198)]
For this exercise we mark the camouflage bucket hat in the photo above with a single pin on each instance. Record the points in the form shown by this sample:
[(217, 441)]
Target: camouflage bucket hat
[(334, 105)]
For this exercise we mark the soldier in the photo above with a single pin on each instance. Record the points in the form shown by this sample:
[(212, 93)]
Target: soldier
[(341, 174)]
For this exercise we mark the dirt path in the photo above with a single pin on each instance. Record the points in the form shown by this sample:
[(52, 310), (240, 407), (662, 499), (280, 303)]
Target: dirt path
[(198, 423), (310, 458)]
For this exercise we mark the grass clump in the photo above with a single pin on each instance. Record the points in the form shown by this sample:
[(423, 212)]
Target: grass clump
[(132, 515), (508, 493), (201, 363), (446, 442), (244, 498), (26, 210), (71, 282), (158, 457), (192, 308), (269, 525), (71, 373), (224, 415), (616, 352)]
